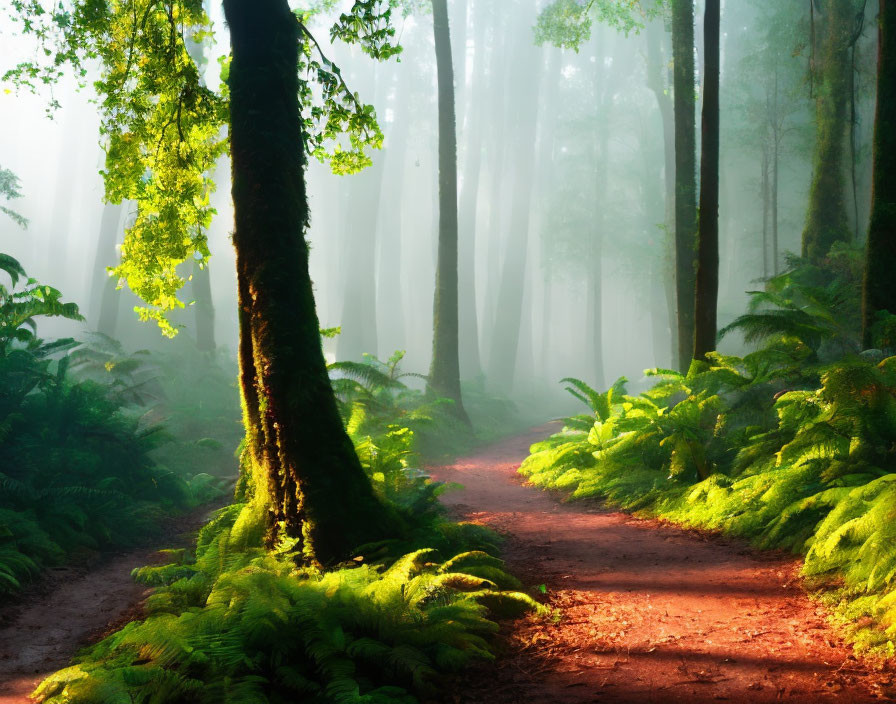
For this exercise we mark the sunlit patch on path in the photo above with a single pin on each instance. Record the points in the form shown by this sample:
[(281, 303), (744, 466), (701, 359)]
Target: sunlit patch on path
[(650, 613)]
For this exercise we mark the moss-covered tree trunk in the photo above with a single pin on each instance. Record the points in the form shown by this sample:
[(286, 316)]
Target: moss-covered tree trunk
[(707, 293), (303, 468), (685, 175), (444, 372), (827, 220), (879, 291)]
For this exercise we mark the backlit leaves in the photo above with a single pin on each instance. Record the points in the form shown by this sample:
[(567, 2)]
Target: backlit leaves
[(163, 129), (567, 23)]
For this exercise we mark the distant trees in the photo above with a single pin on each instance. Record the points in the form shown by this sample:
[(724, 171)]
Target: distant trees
[(879, 291), (707, 282), (526, 70)]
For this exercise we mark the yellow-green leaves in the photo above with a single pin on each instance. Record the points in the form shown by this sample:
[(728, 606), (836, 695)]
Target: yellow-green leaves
[(164, 130)]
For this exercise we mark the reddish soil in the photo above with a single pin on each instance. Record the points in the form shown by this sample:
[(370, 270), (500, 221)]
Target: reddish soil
[(72, 607), (648, 612)]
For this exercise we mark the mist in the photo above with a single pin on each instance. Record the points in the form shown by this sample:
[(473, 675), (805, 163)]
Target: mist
[(562, 180)]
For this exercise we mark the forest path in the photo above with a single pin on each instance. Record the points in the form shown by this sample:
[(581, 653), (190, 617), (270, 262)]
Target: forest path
[(650, 613), (73, 606)]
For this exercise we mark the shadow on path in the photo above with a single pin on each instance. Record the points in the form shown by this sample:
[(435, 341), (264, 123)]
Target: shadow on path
[(650, 612)]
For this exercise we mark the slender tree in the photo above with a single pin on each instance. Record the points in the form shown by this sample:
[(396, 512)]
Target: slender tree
[(204, 307), (665, 342), (685, 175), (470, 363), (444, 373), (389, 299), (827, 220), (879, 293), (505, 341), (707, 289), (104, 301)]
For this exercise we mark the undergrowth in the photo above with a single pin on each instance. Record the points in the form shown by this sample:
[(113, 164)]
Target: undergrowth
[(792, 447), (236, 623), (233, 622), (79, 470)]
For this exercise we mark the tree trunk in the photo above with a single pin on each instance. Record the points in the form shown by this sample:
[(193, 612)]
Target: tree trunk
[(707, 294), (655, 62), (594, 324), (685, 176), (361, 210), (776, 163), (205, 308), (879, 293), (302, 469), (444, 373), (390, 301), (506, 333), (103, 296), (497, 171), (765, 187), (827, 221), (470, 363)]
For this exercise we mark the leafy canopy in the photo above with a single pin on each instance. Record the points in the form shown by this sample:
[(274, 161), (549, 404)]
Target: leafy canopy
[(567, 23), (163, 128)]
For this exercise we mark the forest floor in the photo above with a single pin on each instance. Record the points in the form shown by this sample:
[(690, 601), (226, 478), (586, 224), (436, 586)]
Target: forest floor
[(72, 606), (647, 612)]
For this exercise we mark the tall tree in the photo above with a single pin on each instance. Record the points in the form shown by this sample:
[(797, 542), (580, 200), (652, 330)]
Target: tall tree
[(470, 363), (104, 301), (389, 299), (662, 279), (305, 465), (879, 293), (527, 67), (827, 219), (444, 372), (685, 175), (300, 468), (707, 288), (204, 306)]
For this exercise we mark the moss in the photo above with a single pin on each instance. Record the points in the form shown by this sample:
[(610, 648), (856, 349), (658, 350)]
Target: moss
[(302, 463), (685, 176), (827, 221), (879, 292)]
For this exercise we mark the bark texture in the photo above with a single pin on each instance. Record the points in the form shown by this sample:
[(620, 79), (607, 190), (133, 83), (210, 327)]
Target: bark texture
[(706, 301), (827, 220), (444, 373), (879, 292), (685, 176), (301, 465)]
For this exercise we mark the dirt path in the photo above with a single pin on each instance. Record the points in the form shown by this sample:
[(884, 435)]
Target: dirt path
[(651, 613), (72, 607)]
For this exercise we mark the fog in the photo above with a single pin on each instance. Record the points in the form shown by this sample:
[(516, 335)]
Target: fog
[(565, 258)]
